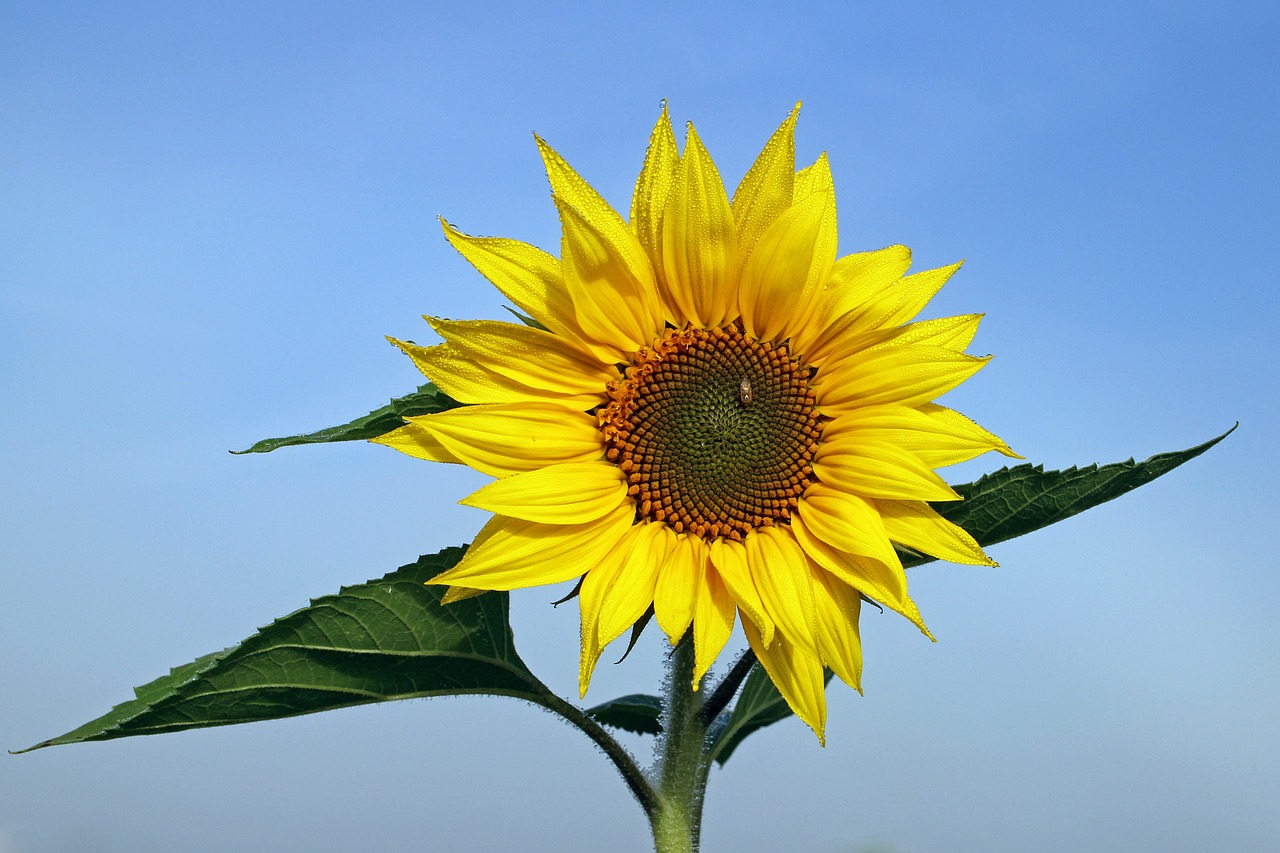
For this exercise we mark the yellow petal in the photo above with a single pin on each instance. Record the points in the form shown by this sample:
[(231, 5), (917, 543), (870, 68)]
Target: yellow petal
[(525, 274), (953, 424), (467, 382), (505, 439), (918, 526), (766, 190), (782, 576), (886, 584), (729, 559), (815, 178), (632, 590), (712, 623), (568, 493), (936, 435), (949, 333), (657, 177), (879, 470), (572, 189), (608, 274), (906, 375), (786, 269), (460, 593), (591, 594), (699, 241), (856, 281), (531, 357), (846, 522), (896, 302), (838, 606), (953, 333), (416, 441), (510, 553), (676, 593), (798, 677), (610, 281)]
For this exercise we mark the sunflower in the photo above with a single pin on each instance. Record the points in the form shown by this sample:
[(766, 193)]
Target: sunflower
[(707, 415)]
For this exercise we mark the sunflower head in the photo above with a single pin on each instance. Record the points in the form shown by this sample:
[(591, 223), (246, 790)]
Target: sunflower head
[(709, 415)]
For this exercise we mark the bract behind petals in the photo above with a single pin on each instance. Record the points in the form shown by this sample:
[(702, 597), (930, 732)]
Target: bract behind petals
[(699, 241)]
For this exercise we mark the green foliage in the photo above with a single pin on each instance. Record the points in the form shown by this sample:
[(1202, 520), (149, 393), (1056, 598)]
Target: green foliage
[(635, 712), (1016, 501), (427, 400), (382, 640)]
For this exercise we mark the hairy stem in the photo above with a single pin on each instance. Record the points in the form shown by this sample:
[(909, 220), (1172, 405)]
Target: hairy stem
[(681, 770), (617, 753)]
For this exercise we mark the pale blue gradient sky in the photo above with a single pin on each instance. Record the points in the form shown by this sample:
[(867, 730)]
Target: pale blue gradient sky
[(211, 214)]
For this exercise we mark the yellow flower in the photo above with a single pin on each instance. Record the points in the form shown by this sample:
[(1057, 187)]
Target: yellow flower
[(712, 415)]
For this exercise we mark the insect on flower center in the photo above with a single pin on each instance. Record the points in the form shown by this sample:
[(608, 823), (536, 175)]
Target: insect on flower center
[(715, 431)]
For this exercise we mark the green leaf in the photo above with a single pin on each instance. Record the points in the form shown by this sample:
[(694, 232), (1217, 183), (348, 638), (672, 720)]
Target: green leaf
[(1015, 501), (759, 705), (382, 640), (427, 400), (636, 712)]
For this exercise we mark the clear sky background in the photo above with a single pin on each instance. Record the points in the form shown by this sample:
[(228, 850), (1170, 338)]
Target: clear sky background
[(210, 214)]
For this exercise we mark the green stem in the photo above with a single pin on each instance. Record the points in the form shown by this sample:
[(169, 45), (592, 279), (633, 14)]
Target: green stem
[(681, 769), (617, 753)]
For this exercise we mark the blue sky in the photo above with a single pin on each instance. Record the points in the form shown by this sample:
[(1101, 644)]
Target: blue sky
[(210, 215)]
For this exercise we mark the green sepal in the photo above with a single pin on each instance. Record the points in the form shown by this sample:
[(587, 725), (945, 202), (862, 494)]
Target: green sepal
[(427, 400), (640, 713), (386, 639)]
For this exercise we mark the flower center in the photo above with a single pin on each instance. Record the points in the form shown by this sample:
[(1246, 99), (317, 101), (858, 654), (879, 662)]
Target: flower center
[(716, 432)]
